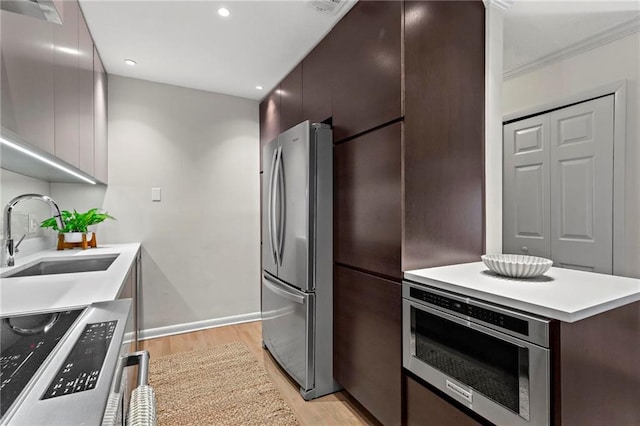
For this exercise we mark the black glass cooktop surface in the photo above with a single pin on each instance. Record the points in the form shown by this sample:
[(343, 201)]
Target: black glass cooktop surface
[(25, 343)]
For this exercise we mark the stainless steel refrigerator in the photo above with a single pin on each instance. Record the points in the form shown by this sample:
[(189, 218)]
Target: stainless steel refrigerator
[(297, 250)]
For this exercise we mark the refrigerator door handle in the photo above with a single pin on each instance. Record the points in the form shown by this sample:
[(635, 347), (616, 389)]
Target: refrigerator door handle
[(271, 207), (282, 292), (283, 206)]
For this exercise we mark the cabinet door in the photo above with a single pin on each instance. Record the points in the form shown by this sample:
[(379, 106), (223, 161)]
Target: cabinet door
[(367, 359), (426, 408), (581, 169), (318, 70), (444, 133), (85, 97), (291, 99), (269, 120), (65, 40), (526, 200), (367, 90), (100, 118), (368, 202), (27, 79)]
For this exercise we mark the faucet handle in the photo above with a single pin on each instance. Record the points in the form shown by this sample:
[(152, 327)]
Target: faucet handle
[(15, 248)]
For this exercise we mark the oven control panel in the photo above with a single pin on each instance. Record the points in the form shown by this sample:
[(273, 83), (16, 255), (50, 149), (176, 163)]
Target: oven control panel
[(82, 367), (488, 316)]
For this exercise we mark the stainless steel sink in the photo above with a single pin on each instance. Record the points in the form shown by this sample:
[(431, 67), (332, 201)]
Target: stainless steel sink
[(66, 266)]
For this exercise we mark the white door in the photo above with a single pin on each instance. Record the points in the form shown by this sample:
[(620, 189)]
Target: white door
[(558, 186), (582, 186), (526, 202)]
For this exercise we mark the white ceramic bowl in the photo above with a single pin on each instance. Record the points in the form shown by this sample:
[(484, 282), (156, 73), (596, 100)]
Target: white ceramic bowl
[(517, 265)]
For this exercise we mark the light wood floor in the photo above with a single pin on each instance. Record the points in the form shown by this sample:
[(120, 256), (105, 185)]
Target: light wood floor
[(336, 409)]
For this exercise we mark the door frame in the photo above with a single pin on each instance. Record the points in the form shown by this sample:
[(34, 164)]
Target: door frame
[(619, 91)]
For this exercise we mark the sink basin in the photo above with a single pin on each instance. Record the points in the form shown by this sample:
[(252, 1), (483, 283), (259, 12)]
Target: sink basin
[(66, 266)]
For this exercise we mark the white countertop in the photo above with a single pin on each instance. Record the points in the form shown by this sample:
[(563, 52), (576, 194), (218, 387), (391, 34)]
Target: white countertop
[(46, 292), (562, 294)]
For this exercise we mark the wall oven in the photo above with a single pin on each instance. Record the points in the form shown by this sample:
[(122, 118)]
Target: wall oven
[(493, 360), (69, 367)]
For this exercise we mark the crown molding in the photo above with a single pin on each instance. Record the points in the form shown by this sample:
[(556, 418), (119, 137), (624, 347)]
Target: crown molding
[(607, 36), (501, 4)]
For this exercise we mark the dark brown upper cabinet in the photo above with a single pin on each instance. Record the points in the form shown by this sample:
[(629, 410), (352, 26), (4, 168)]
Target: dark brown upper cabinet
[(444, 133), (367, 341), (66, 85), (368, 202), (291, 99), (317, 74), (269, 119), (367, 85)]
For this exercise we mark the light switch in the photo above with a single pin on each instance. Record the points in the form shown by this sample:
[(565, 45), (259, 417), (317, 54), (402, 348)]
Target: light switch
[(155, 194)]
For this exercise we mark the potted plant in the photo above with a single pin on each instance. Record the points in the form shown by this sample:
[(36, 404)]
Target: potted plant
[(76, 224)]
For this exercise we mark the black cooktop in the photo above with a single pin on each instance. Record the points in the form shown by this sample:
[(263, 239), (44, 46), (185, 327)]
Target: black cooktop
[(25, 343)]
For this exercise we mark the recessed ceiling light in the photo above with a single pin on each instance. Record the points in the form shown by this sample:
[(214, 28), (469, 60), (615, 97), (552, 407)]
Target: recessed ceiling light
[(223, 11), (259, 87), (130, 62)]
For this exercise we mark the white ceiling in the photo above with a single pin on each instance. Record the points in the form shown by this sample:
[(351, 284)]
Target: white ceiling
[(186, 43), (537, 28)]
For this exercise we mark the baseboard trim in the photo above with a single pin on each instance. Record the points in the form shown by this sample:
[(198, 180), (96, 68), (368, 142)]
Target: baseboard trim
[(188, 327)]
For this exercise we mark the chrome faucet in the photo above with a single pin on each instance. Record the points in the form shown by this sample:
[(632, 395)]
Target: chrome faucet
[(8, 209)]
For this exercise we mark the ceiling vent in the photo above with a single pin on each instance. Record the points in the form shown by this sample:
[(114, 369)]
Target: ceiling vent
[(41, 9), (331, 7)]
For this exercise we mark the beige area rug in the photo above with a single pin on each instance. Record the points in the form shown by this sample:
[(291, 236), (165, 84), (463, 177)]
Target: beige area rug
[(221, 385)]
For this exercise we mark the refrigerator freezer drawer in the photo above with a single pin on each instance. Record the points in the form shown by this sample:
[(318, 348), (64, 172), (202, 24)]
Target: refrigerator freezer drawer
[(287, 328)]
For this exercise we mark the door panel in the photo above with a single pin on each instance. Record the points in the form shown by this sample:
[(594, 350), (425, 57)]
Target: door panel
[(368, 91), (367, 341), (422, 403), (368, 197), (526, 187), (294, 173), (269, 121), (287, 316), (581, 186), (27, 76), (100, 111), (268, 178), (291, 99), (65, 40), (85, 97)]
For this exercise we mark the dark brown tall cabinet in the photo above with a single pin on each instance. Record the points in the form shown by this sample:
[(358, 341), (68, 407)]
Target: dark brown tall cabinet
[(403, 86)]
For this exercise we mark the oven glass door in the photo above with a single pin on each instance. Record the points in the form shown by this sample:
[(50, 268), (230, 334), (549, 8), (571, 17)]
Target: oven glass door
[(491, 366), (501, 377)]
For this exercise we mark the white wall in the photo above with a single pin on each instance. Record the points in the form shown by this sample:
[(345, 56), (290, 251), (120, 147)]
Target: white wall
[(11, 185), (201, 243), (619, 60)]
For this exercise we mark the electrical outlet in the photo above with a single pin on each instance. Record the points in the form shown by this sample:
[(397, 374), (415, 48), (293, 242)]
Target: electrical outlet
[(33, 224)]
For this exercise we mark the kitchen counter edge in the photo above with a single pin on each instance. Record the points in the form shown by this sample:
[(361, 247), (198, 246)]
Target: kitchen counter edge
[(23, 295), (466, 279)]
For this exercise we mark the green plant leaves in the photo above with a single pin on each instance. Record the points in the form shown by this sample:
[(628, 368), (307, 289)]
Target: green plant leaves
[(76, 222)]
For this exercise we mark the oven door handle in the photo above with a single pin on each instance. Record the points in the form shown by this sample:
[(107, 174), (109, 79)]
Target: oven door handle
[(143, 394), (472, 325), (140, 358)]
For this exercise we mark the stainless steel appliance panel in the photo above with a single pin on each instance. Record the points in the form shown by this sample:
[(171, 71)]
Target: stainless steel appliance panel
[(287, 328), (296, 163), (78, 408), (502, 378), (269, 207)]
